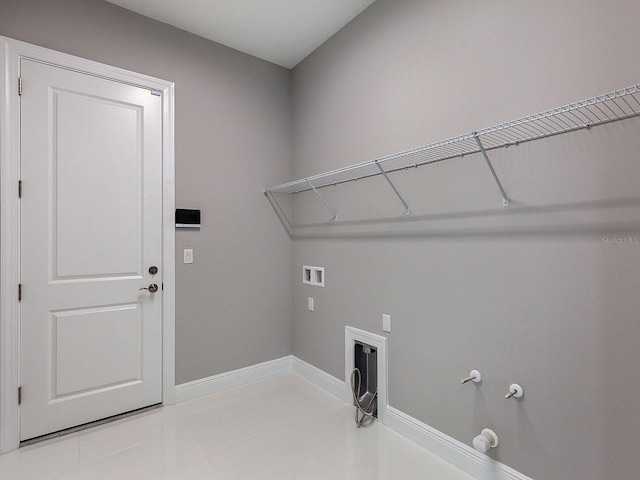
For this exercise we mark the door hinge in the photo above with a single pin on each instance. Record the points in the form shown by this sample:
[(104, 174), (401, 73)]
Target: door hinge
[(19, 85), (19, 395), (19, 188), (19, 292)]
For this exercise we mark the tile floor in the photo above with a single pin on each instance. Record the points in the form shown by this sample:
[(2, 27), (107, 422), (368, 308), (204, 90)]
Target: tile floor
[(279, 428)]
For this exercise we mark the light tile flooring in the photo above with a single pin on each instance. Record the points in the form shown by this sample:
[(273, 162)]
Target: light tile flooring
[(279, 428)]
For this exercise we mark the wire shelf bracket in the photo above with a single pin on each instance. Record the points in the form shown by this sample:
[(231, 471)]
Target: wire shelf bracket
[(599, 110), (505, 198), (406, 207), (333, 212)]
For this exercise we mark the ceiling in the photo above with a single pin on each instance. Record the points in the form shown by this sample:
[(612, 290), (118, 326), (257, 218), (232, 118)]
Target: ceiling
[(283, 32)]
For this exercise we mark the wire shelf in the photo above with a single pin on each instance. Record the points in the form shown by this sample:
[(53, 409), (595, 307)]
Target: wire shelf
[(598, 110)]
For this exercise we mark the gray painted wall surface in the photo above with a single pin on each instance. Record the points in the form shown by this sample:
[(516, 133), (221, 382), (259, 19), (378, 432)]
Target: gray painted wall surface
[(233, 135), (532, 293)]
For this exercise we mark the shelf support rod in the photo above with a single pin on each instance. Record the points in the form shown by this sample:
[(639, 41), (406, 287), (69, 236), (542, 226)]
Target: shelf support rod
[(333, 212), (406, 207), (505, 199)]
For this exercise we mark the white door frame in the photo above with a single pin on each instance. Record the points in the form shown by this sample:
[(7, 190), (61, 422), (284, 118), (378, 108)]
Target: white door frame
[(11, 51)]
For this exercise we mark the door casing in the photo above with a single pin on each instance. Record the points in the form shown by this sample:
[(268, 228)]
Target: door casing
[(11, 52)]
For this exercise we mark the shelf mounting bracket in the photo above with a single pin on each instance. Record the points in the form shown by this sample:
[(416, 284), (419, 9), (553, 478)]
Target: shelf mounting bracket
[(406, 207), (333, 212), (505, 199)]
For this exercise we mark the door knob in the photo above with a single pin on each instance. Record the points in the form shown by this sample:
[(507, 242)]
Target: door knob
[(153, 288)]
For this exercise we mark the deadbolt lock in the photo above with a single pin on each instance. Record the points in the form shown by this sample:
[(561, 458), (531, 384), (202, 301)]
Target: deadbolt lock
[(153, 270)]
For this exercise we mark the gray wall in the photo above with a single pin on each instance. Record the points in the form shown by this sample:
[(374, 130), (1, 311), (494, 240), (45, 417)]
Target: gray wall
[(530, 293), (233, 135)]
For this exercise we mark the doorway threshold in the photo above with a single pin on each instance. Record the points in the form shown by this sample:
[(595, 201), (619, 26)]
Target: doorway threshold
[(85, 426)]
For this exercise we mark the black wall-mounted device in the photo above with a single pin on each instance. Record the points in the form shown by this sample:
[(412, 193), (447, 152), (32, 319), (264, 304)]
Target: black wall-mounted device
[(187, 218)]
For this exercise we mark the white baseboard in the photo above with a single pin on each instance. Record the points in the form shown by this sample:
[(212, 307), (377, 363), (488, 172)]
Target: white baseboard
[(457, 453), (319, 378), (235, 378), (449, 449)]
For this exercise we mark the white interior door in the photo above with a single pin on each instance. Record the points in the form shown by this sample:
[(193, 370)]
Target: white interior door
[(91, 228)]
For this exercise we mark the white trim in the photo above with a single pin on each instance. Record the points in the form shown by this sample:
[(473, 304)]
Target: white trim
[(9, 250), (449, 449), (350, 336), (457, 453), (318, 377), (11, 51), (234, 378), (168, 245)]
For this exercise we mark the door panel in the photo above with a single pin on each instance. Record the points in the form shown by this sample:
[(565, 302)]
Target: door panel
[(114, 171), (79, 368), (91, 167)]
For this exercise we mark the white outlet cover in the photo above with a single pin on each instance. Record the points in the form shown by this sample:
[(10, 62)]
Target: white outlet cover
[(386, 322)]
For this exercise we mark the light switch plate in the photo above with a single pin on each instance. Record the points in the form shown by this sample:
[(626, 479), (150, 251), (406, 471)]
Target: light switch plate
[(386, 322), (310, 304), (188, 255)]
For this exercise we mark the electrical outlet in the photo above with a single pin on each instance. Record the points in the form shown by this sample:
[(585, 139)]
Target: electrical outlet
[(386, 322)]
